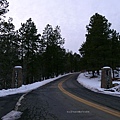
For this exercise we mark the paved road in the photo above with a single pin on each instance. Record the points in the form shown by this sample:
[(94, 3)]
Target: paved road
[(64, 99), (8, 103), (73, 87), (50, 103)]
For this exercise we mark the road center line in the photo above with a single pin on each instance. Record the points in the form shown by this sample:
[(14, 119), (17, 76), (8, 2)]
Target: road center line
[(94, 105)]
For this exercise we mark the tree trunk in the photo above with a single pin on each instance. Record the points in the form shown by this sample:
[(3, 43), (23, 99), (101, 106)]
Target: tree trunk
[(98, 73), (113, 73), (93, 73)]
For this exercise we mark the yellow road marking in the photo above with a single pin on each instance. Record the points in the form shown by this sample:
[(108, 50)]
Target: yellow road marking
[(99, 107)]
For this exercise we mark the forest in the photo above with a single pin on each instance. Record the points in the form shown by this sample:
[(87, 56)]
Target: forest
[(41, 56)]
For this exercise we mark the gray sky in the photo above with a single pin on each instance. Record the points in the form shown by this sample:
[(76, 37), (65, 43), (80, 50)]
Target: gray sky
[(71, 15)]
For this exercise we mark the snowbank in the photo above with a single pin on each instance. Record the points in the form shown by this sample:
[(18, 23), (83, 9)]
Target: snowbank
[(13, 115), (27, 88), (94, 84)]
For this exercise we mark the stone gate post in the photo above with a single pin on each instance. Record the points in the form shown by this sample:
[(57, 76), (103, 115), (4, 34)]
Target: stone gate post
[(17, 77), (106, 78)]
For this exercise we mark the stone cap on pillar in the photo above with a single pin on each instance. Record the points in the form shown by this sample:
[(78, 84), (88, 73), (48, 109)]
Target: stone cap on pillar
[(106, 67), (20, 67)]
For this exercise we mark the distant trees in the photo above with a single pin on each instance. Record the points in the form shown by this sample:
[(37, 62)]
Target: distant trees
[(52, 45), (101, 46), (43, 56), (72, 62)]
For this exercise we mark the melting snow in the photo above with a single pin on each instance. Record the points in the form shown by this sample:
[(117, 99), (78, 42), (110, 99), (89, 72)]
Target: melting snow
[(27, 88), (94, 84), (13, 115)]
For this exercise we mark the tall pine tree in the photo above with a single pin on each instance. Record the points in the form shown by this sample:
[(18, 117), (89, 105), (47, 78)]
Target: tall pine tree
[(29, 46), (96, 49), (52, 46)]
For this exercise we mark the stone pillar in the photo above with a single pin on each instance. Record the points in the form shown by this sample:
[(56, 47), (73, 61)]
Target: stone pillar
[(118, 72), (106, 78), (17, 77)]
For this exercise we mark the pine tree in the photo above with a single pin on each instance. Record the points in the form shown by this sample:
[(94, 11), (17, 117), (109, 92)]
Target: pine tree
[(3, 7), (76, 62), (114, 50), (8, 51), (29, 46), (52, 47), (96, 49)]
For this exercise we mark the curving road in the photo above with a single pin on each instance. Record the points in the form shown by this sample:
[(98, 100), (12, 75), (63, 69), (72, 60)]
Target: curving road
[(66, 99)]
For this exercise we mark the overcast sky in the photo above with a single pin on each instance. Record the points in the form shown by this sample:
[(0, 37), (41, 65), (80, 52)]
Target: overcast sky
[(71, 15)]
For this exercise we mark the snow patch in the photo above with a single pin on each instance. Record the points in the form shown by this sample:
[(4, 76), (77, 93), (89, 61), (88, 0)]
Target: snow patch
[(13, 115), (94, 84), (106, 67), (29, 87), (18, 67)]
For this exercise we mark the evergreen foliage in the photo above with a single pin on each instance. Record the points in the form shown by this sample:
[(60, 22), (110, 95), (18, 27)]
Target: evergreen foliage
[(52, 45), (41, 56), (3, 7), (8, 51), (28, 47), (101, 46)]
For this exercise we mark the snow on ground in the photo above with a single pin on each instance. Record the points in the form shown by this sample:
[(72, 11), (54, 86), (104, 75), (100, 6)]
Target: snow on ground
[(84, 79), (13, 115), (27, 88), (94, 84)]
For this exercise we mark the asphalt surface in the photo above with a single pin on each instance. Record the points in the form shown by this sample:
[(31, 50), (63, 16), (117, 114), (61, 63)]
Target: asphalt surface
[(50, 103), (8, 103), (106, 100)]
